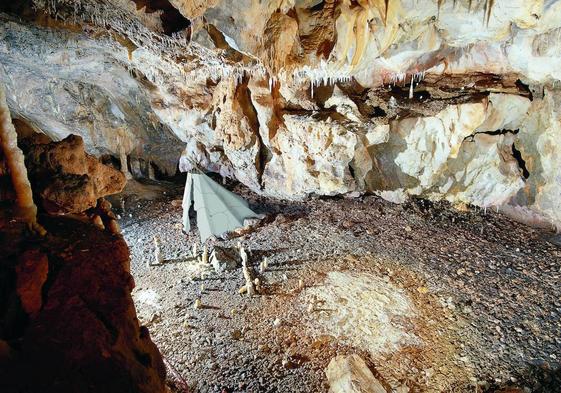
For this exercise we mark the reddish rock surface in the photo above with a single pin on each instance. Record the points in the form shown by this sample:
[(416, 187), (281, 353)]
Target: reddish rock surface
[(82, 335), (31, 274)]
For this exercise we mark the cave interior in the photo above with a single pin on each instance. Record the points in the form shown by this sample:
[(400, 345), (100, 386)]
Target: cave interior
[(344, 196)]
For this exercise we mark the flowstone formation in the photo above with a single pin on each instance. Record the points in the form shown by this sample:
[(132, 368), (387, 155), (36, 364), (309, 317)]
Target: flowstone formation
[(440, 99)]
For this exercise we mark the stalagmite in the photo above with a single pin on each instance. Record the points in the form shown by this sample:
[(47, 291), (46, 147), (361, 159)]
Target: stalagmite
[(204, 257), (247, 275), (16, 164), (158, 251), (194, 250)]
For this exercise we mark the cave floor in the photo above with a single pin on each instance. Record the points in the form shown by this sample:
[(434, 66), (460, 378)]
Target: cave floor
[(433, 298)]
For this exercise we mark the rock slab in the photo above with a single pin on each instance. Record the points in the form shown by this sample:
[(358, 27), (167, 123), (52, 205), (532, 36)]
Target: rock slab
[(350, 374)]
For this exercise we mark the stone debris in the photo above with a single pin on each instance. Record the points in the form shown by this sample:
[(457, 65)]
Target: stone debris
[(350, 374), (96, 220), (435, 247), (223, 259)]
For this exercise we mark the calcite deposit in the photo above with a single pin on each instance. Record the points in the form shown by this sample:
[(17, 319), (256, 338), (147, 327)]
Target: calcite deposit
[(441, 99)]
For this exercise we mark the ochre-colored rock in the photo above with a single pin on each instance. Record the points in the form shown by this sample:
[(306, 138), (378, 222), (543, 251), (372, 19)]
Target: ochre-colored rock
[(66, 179)]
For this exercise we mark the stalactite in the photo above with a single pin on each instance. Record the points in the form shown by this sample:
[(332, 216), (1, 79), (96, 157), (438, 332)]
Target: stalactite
[(488, 8), (439, 5), (387, 3), (16, 164)]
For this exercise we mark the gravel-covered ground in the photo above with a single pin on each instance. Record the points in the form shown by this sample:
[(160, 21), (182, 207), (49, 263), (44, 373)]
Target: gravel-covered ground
[(480, 297)]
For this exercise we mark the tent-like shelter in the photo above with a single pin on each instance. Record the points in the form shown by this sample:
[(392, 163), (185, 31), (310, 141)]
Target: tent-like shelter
[(218, 210)]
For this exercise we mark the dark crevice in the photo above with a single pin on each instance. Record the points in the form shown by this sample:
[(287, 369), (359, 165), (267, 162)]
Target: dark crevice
[(318, 7), (496, 132), (352, 171), (172, 20), (243, 98), (522, 87), (521, 162)]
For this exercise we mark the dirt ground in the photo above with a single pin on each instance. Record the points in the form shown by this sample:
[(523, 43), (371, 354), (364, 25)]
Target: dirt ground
[(433, 298)]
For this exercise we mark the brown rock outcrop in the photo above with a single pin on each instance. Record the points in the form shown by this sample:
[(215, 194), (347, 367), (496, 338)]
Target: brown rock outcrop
[(66, 179)]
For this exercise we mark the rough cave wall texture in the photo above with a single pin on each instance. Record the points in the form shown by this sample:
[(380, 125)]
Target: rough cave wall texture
[(456, 100)]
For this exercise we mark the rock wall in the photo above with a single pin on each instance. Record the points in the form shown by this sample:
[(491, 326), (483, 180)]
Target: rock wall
[(67, 318), (454, 100)]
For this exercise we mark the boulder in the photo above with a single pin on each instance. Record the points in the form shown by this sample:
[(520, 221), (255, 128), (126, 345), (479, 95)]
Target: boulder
[(66, 179), (223, 259), (350, 374)]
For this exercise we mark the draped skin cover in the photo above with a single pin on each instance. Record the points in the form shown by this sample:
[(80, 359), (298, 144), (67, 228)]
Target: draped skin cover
[(218, 210)]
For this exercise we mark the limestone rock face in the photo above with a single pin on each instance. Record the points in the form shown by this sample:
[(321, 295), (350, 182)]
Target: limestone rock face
[(442, 99), (67, 179)]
